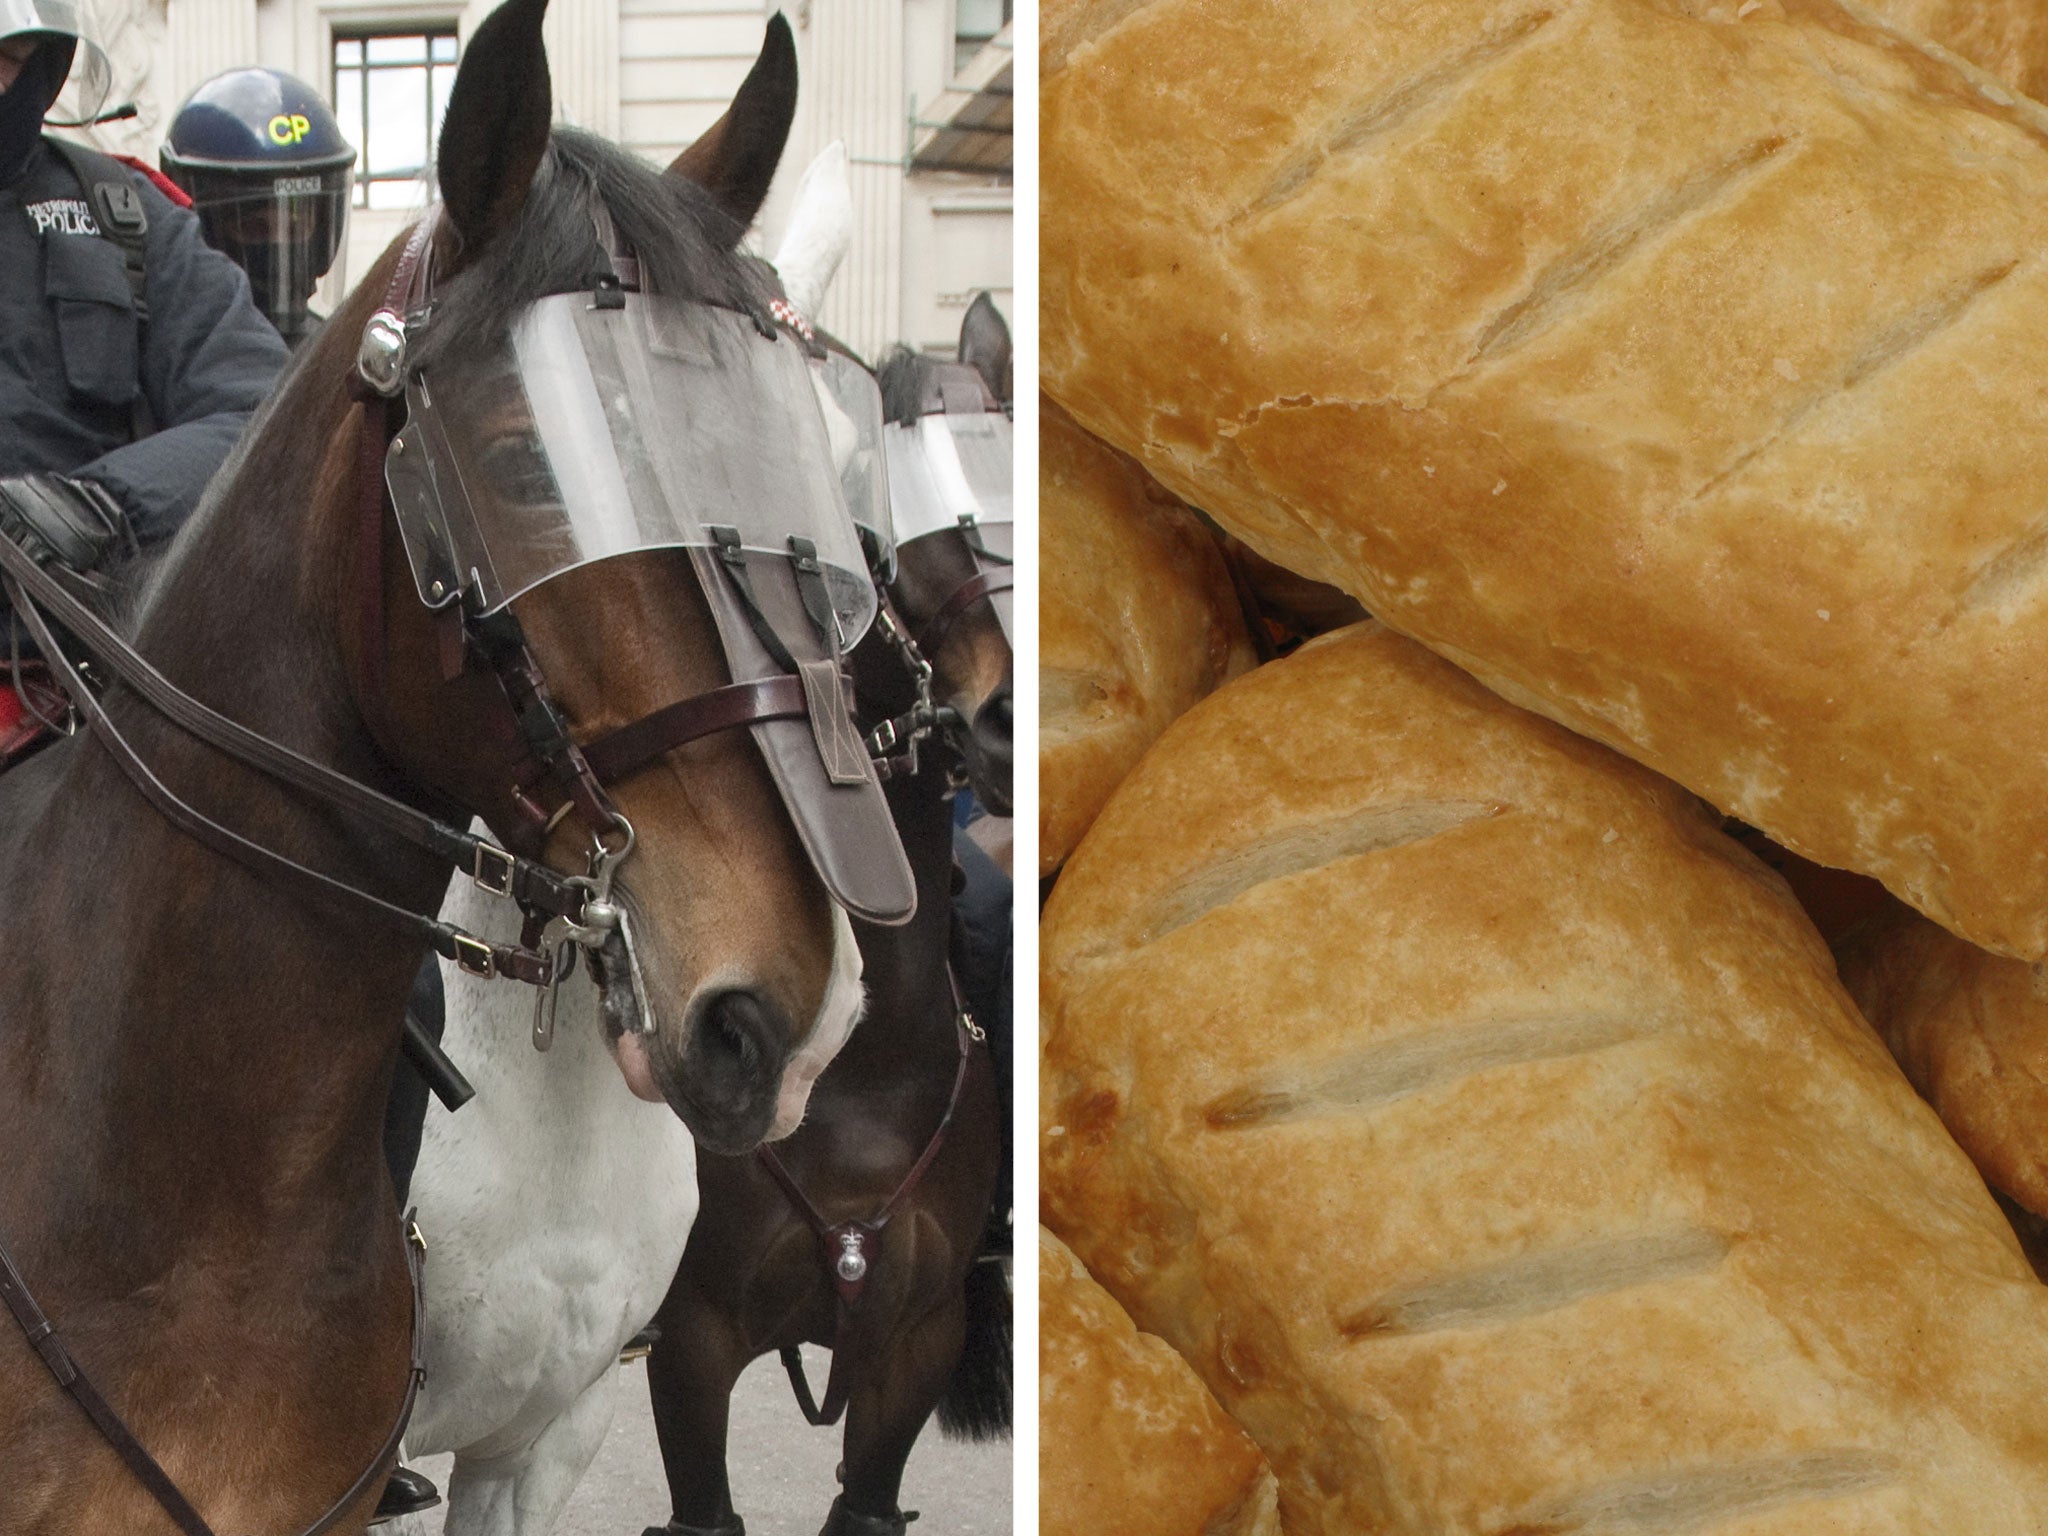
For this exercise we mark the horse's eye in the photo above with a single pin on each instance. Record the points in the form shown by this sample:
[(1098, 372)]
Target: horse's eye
[(518, 470)]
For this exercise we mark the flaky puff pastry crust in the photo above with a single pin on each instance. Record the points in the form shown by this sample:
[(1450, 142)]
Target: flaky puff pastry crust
[(1680, 369), (1491, 1134), (1971, 1031), (1128, 1439), (2007, 37), (1137, 619)]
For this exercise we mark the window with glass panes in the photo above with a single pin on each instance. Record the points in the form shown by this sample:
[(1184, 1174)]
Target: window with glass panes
[(390, 89), (974, 23)]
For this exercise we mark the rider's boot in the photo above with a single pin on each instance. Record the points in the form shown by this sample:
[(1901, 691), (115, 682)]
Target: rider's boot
[(408, 1493)]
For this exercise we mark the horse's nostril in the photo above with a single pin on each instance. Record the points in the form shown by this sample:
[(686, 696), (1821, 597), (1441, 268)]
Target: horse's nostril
[(731, 1034), (737, 1048), (992, 722)]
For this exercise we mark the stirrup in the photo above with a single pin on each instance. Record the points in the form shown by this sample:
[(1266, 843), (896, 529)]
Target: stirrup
[(845, 1522), (734, 1527)]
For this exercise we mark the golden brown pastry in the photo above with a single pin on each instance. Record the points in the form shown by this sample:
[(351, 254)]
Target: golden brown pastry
[(1678, 367), (1128, 1440), (2007, 37), (1492, 1136), (1137, 620), (1971, 1032)]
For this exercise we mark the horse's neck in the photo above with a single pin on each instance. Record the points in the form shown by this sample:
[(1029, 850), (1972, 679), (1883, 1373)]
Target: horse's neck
[(181, 1021), (909, 995)]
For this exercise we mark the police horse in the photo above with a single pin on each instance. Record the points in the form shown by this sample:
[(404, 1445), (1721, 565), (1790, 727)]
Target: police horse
[(542, 1272), (556, 1203), (215, 889), (861, 1231)]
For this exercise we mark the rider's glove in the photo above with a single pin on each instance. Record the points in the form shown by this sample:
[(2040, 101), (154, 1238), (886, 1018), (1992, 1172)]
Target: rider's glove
[(71, 522)]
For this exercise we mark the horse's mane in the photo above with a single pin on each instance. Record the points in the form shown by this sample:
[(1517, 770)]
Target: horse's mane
[(903, 377), (686, 243)]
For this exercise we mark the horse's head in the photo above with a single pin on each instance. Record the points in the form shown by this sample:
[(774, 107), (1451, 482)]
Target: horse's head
[(608, 445), (950, 464)]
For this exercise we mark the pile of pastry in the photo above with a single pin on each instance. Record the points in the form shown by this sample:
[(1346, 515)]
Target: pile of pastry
[(1570, 1053)]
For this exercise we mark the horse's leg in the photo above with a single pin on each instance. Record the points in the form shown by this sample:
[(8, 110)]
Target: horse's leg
[(690, 1377), (525, 1493), (885, 1412)]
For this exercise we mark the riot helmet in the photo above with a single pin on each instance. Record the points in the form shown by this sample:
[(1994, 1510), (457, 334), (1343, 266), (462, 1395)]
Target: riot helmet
[(268, 172), (65, 43)]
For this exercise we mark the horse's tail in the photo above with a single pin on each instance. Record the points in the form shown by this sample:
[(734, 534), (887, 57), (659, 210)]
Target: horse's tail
[(977, 1404)]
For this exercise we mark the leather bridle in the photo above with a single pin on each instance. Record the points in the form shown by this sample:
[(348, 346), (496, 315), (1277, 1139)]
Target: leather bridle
[(894, 744)]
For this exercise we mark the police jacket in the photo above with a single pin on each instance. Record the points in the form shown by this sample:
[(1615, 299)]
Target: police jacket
[(74, 353)]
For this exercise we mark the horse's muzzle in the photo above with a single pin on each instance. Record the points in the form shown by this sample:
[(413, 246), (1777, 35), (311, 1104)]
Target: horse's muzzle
[(989, 750), (736, 1045)]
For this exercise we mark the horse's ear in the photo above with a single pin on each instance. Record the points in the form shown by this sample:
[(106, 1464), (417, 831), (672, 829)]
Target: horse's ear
[(496, 129), (735, 160), (985, 343)]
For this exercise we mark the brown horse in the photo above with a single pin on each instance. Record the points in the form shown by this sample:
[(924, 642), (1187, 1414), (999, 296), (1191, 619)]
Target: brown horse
[(929, 1327), (193, 1064)]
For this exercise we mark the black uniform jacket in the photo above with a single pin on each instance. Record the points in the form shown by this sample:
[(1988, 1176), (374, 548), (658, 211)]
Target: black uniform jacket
[(74, 352)]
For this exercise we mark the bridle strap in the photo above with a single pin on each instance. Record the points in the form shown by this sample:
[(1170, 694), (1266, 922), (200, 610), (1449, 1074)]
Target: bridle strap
[(832, 1235), (63, 1366), (976, 588), (24, 579), (632, 747)]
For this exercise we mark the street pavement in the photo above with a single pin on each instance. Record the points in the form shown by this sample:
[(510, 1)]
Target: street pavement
[(781, 1469)]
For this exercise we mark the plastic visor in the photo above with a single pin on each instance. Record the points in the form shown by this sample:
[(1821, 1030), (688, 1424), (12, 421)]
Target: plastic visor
[(285, 230), (950, 470), (92, 78), (603, 431), (851, 403)]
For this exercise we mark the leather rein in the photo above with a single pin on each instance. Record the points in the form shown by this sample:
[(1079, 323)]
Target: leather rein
[(553, 903)]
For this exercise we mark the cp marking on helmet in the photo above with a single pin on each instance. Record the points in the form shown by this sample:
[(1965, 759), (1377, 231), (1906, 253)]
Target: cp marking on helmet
[(289, 128)]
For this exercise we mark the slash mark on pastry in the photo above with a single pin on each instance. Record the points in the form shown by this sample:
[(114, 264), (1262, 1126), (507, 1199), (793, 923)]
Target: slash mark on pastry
[(1686, 1500), (2008, 574), (1388, 109), (1383, 1073), (1886, 350), (1538, 1282), (1606, 249), (1373, 830)]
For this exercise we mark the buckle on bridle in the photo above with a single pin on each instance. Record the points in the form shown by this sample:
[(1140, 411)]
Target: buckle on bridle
[(473, 957), (493, 870)]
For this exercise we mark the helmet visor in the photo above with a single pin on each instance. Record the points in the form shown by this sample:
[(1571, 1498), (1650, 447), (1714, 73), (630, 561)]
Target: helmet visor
[(285, 229), (601, 431), (92, 77)]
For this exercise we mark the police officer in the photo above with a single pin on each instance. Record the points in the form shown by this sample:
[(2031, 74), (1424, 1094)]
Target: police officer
[(268, 172), (130, 354)]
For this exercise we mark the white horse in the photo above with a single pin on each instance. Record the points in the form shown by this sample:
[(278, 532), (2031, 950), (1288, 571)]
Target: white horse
[(556, 1205)]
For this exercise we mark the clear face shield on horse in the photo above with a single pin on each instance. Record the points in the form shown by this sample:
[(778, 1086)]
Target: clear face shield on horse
[(612, 422), (948, 547), (950, 473)]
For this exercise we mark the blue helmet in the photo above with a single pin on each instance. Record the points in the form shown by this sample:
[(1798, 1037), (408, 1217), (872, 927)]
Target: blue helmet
[(268, 172)]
